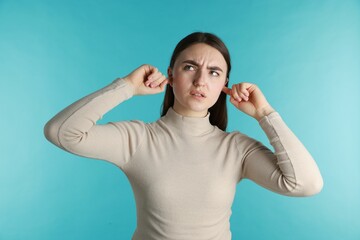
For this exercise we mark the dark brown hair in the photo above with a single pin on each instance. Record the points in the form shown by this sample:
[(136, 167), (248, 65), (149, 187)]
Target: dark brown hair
[(218, 112)]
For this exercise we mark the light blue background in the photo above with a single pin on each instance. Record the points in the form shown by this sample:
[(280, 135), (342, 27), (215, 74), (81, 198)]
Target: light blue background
[(305, 56)]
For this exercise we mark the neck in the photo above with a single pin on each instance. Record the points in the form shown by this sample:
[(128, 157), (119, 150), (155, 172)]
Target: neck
[(187, 112), (190, 125), (191, 113)]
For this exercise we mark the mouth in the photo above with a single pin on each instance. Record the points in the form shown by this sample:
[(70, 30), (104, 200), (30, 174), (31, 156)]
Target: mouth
[(197, 93)]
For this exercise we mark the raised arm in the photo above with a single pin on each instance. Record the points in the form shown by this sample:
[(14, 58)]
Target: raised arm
[(290, 169), (74, 129)]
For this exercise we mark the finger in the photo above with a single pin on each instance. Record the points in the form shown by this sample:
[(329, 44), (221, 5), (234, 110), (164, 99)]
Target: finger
[(153, 71), (226, 90), (157, 81), (235, 92), (235, 102), (243, 96), (149, 69), (163, 84), (244, 92), (160, 87), (153, 77), (247, 88)]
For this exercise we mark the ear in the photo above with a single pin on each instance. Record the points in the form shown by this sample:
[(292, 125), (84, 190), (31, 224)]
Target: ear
[(227, 80), (170, 76)]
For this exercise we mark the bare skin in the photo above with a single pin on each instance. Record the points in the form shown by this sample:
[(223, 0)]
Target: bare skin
[(198, 77)]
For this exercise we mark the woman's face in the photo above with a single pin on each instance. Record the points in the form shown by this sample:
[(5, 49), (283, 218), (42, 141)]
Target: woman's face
[(197, 79)]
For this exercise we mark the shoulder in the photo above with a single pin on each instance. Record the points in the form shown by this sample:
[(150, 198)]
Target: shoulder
[(234, 135), (242, 141), (136, 126), (129, 124)]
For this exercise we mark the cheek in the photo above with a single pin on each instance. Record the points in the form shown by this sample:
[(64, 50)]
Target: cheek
[(217, 89), (214, 94), (181, 81), (179, 87), (177, 83)]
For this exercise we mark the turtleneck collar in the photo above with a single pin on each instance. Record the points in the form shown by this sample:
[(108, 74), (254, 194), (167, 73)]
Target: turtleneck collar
[(194, 126)]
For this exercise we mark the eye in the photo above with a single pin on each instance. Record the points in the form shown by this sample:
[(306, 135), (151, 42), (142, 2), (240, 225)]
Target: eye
[(189, 68), (214, 73)]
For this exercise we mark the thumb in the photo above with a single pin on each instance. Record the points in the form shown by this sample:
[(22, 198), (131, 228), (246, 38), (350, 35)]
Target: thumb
[(226, 90), (162, 85)]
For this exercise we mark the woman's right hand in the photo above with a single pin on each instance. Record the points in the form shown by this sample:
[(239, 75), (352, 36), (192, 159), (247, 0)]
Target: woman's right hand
[(147, 79)]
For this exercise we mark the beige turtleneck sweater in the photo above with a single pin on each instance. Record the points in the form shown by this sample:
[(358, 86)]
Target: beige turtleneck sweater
[(183, 170)]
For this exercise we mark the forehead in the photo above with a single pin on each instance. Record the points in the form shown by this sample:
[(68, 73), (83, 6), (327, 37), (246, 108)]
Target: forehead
[(203, 54)]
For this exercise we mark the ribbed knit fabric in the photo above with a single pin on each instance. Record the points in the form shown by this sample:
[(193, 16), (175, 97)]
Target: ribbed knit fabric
[(183, 170)]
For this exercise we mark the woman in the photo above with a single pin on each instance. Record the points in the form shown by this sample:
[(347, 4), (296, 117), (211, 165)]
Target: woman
[(184, 167)]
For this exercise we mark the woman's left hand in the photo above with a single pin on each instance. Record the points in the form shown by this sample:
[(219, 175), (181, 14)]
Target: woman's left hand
[(248, 98)]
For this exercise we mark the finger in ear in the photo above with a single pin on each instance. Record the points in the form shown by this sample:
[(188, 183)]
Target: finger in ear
[(170, 76)]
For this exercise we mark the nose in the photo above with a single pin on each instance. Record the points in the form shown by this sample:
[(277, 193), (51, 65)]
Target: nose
[(200, 79)]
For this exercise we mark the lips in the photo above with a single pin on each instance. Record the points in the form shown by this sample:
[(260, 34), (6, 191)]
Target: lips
[(197, 93)]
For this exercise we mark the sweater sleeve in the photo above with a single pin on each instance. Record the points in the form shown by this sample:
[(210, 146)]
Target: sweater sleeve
[(74, 129), (290, 170)]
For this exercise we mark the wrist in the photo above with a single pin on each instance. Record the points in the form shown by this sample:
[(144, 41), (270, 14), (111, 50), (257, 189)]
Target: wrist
[(131, 85), (264, 111)]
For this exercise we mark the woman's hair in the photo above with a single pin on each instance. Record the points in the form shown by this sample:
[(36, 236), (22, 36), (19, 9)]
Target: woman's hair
[(218, 112)]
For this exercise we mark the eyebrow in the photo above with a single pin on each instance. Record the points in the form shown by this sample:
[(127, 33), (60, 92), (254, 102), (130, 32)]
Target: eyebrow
[(197, 64)]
